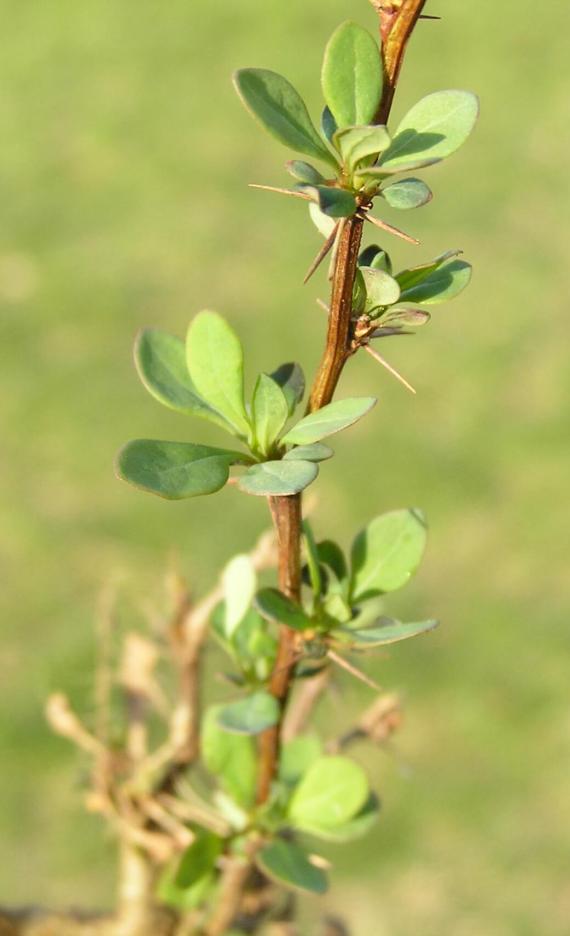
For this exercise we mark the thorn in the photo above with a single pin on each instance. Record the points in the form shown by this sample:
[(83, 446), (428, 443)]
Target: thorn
[(339, 230), (281, 191), (340, 661), (391, 229), (427, 16), (392, 370), (327, 246), (323, 305)]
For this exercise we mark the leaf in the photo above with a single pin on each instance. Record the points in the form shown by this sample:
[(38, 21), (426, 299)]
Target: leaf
[(288, 865), (333, 202), (333, 790), (239, 583), (313, 563), (316, 452), (418, 274), (369, 175), (406, 194), (358, 293), (199, 859), (387, 631), (352, 75), (322, 222), (328, 124), (387, 553), (434, 128), (381, 289), (358, 143), (304, 172), (355, 828), (297, 756), (291, 379), (330, 419), (275, 606), (254, 646), (270, 412), (187, 898), (160, 360), (251, 715), (375, 257), (281, 110), (278, 478), (215, 362), (402, 318), (176, 469), (443, 284), (331, 555), (231, 758)]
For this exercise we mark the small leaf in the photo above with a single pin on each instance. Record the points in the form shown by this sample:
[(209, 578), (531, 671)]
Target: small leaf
[(332, 556), (332, 792), (239, 583), (278, 478), (316, 452), (297, 756), (215, 362), (355, 828), (275, 606), (288, 865), (328, 124), (377, 258), (330, 419), (387, 553), (387, 631), (281, 110), (373, 175), (434, 128), (250, 716), (231, 758), (358, 143), (358, 293), (199, 859), (322, 222), (175, 470), (270, 412), (187, 898), (304, 172), (418, 274), (312, 559), (381, 289), (352, 75), (443, 284), (291, 379), (332, 202), (406, 194), (402, 318)]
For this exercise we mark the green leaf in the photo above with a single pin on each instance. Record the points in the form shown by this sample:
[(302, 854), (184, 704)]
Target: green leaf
[(369, 175), (250, 716), (304, 172), (281, 110), (312, 559), (254, 646), (328, 124), (434, 128), (358, 143), (387, 631), (275, 606), (443, 284), (355, 828), (288, 865), (160, 360), (291, 379), (406, 194), (297, 756), (333, 790), (316, 452), (176, 469), (418, 274), (333, 202), (375, 257), (215, 362), (387, 553), (270, 412), (405, 318), (330, 419), (322, 222), (187, 898), (381, 289), (232, 758), (239, 583), (278, 478), (331, 555), (352, 75), (358, 293), (199, 859)]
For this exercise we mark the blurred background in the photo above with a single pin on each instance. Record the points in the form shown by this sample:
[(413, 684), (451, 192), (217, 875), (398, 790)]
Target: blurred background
[(124, 164)]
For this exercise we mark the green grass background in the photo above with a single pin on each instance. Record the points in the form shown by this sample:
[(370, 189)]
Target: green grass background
[(123, 169)]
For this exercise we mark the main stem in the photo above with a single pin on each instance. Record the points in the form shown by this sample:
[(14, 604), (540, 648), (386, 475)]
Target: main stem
[(397, 21)]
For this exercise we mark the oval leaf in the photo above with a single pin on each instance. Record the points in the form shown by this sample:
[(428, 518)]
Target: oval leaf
[(406, 194), (352, 75), (387, 631), (381, 289), (291, 379), (332, 202), (278, 478), (434, 128), (332, 792), (288, 864), (275, 606), (316, 452), (270, 412), (250, 716), (215, 361), (175, 469), (281, 110), (443, 284), (355, 828), (330, 419), (387, 553), (239, 582), (231, 758), (304, 172)]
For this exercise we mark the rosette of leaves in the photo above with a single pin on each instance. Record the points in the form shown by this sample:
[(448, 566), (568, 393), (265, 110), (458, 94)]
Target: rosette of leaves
[(204, 377)]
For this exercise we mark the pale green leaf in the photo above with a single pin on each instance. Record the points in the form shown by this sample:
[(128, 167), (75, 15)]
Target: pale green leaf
[(404, 318), (322, 222), (270, 412), (387, 553), (232, 758), (355, 828), (443, 284), (330, 419), (215, 362), (239, 582), (352, 75), (297, 756), (381, 288), (406, 194), (251, 715), (278, 478), (288, 865), (304, 172), (175, 470), (387, 631), (333, 790), (316, 452), (434, 128), (358, 143)]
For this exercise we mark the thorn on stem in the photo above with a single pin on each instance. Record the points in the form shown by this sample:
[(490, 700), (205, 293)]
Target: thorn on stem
[(392, 370), (325, 249), (391, 229), (280, 191), (340, 661)]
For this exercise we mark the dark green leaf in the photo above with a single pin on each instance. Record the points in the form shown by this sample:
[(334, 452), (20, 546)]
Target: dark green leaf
[(278, 478), (387, 553), (275, 606), (328, 124), (377, 258), (250, 716), (441, 285), (199, 859), (291, 379), (387, 631), (406, 194), (333, 791), (232, 758), (316, 452), (322, 222), (288, 864), (270, 412), (332, 202), (330, 419), (332, 556), (352, 75), (281, 110), (312, 558), (176, 469), (304, 172), (215, 362)]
